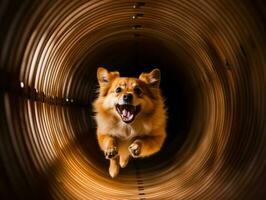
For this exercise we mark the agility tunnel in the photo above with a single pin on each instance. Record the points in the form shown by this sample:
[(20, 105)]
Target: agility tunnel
[(212, 56)]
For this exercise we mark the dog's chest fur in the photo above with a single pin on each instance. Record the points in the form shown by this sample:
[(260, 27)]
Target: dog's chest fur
[(125, 131)]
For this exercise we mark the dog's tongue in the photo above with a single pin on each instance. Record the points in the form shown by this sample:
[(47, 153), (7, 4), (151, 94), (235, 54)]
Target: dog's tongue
[(126, 113)]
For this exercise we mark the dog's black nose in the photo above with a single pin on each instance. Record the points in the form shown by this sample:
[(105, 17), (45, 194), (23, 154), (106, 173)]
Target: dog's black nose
[(127, 98)]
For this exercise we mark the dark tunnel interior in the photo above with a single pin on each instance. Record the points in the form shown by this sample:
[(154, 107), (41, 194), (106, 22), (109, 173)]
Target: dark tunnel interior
[(133, 57), (213, 64)]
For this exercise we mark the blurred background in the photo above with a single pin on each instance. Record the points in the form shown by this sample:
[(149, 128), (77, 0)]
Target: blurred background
[(212, 55)]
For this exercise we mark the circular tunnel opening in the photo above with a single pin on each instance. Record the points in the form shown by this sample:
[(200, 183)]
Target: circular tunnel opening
[(142, 54)]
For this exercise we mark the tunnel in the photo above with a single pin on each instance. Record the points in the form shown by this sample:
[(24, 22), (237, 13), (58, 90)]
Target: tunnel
[(213, 65)]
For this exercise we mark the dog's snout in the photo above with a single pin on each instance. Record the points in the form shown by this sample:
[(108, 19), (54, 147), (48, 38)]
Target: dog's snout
[(128, 98)]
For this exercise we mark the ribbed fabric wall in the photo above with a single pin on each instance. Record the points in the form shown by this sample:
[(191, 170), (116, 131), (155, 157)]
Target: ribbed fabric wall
[(212, 55)]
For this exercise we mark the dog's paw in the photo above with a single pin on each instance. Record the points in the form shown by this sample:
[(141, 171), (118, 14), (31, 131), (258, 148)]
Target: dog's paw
[(135, 149), (111, 153)]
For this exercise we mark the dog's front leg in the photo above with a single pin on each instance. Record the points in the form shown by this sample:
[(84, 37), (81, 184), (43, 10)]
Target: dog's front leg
[(108, 144), (146, 146)]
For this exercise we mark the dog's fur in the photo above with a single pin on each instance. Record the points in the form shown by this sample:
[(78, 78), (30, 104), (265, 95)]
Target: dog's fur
[(119, 136)]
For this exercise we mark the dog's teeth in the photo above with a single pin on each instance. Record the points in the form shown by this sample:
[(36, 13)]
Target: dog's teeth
[(130, 116)]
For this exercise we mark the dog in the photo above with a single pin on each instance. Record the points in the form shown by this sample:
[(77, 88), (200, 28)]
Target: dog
[(130, 116)]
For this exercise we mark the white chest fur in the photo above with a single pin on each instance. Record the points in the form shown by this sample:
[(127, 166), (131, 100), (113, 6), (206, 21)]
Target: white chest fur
[(125, 131)]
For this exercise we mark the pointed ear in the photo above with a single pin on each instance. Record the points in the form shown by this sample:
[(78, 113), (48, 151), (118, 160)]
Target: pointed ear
[(104, 76), (152, 79)]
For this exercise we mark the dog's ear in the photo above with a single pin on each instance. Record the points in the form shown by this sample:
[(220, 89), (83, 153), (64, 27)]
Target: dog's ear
[(104, 76), (152, 79)]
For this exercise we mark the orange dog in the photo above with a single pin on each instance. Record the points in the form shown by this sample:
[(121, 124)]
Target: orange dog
[(130, 116)]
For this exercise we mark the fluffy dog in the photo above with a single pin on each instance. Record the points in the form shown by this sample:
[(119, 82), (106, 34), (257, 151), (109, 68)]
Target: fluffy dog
[(130, 116)]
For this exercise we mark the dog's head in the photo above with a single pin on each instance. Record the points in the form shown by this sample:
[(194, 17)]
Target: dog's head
[(127, 97)]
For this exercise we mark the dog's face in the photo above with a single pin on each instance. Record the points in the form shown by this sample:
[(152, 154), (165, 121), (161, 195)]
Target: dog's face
[(126, 97)]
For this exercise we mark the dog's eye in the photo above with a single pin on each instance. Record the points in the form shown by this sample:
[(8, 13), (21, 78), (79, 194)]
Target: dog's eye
[(118, 90), (137, 90)]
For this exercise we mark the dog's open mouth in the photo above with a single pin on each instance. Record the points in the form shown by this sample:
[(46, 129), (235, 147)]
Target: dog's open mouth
[(127, 112)]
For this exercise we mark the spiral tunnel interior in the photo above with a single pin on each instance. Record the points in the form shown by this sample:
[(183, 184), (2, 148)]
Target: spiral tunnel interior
[(212, 58)]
